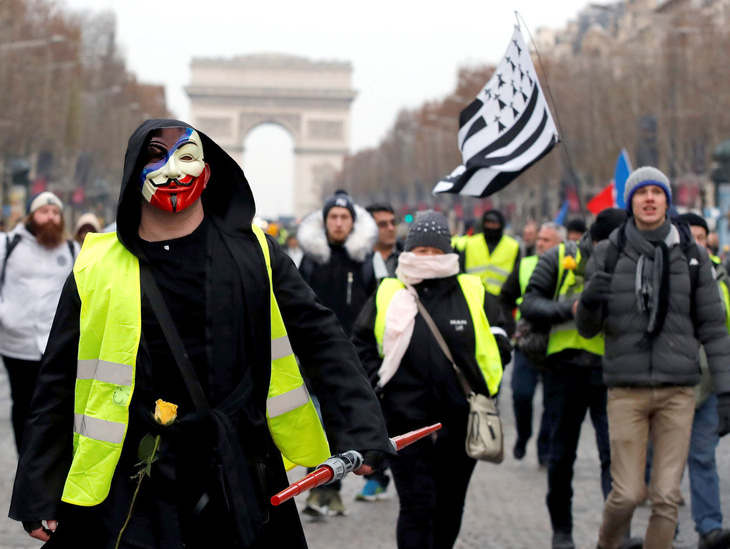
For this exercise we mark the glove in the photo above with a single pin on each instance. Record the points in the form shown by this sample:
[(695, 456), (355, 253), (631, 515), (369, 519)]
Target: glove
[(723, 414), (597, 291)]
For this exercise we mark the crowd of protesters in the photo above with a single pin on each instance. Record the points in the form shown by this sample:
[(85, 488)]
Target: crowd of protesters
[(625, 320)]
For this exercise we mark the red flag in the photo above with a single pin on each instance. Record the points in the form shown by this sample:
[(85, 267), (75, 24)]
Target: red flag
[(602, 200)]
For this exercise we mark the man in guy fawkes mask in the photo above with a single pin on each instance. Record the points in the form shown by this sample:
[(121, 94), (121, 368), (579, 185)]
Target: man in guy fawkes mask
[(189, 303), (490, 254)]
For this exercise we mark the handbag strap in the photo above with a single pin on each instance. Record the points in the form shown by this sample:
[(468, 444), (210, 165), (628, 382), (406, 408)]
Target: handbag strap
[(445, 348), (172, 337)]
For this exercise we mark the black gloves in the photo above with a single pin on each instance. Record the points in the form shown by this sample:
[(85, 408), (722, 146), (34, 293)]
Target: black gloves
[(723, 414), (597, 291)]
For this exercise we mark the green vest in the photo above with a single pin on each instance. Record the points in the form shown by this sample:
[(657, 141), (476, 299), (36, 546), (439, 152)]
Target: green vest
[(494, 268), (565, 336), (107, 278), (527, 267), (487, 352)]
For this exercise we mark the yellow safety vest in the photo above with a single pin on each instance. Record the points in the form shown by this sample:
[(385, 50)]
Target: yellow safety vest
[(724, 293), (527, 267), (107, 278), (492, 268), (458, 242), (487, 352), (565, 336)]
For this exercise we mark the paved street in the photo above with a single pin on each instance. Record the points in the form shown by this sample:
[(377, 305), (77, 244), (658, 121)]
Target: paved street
[(504, 510)]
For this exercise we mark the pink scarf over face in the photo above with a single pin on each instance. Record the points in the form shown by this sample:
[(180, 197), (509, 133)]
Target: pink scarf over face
[(400, 318)]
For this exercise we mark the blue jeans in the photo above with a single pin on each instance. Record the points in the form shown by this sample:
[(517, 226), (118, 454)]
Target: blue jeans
[(525, 378), (704, 484)]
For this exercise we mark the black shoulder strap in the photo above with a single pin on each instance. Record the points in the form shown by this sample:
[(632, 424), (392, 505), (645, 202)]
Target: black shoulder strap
[(614, 250), (72, 250), (173, 337), (9, 247)]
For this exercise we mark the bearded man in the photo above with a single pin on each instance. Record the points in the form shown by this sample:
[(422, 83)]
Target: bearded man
[(36, 262)]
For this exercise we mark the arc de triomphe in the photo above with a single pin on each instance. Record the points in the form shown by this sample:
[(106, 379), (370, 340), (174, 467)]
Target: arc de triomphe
[(310, 99)]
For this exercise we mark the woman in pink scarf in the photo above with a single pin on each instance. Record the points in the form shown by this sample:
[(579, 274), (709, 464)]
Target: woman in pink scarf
[(417, 383)]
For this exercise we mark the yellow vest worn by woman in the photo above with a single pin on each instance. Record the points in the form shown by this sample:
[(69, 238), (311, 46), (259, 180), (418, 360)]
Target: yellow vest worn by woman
[(107, 278), (487, 352)]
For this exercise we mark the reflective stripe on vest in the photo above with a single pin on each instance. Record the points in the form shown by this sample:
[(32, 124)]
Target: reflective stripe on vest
[(565, 336), (107, 278), (494, 268), (290, 412), (110, 325), (527, 267), (486, 351)]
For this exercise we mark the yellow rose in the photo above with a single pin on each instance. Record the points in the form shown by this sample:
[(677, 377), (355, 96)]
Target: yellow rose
[(165, 412), (569, 263)]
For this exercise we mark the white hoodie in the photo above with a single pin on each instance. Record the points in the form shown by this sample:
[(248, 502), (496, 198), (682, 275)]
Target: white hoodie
[(34, 278)]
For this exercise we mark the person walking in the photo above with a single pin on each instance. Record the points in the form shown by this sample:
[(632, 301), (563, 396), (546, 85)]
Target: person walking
[(37, 259), (652, 293), (417, 382), (704, 481), (191, 305), (337, 242), (573, 385), (525, 374)]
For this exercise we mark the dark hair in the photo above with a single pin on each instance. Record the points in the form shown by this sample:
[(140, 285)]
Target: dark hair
[(380, 207)]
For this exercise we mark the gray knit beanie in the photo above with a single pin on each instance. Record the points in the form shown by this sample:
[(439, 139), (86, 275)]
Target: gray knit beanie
[(641, 177), (430, 228)]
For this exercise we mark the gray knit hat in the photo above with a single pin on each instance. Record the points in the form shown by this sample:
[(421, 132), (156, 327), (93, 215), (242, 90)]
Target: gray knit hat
[(641, 177), (430, 228)]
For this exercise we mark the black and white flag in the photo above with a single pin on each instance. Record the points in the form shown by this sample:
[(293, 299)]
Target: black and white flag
[(505, 130)]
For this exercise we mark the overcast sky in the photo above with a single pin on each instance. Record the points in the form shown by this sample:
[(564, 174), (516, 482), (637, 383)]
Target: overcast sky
[(403, 52)]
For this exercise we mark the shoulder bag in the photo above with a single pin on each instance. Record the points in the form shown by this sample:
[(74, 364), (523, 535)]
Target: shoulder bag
[(484, 440)]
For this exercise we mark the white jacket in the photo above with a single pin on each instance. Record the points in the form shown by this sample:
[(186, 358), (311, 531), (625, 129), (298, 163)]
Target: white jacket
[(34, 278)]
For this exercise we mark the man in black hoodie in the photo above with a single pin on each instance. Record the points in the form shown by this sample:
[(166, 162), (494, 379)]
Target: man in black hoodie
[(214, 292)]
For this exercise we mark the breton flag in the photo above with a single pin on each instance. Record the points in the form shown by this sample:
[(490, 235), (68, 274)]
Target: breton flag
[(505, 130)]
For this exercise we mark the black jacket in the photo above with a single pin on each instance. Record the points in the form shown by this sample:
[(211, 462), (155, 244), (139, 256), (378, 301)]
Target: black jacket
[(671, 357), (233, 434), (425, 389)]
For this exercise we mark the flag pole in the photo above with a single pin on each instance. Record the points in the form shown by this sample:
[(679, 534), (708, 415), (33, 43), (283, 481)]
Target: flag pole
[(555, 110)]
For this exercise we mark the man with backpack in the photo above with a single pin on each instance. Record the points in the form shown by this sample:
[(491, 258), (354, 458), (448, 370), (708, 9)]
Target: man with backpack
[(36, 262), (652, 292)]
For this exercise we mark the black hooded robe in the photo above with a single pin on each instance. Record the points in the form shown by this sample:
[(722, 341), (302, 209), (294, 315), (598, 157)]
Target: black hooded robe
[(228, 452)]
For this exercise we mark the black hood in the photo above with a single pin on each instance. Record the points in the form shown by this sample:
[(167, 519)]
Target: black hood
[(227, 199), (497, 215)]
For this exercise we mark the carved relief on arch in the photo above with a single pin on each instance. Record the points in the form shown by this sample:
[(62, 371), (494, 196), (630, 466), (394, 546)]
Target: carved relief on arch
[(290, 122)]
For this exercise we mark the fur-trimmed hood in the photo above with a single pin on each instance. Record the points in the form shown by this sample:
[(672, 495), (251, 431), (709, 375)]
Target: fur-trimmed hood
[(313, 237)]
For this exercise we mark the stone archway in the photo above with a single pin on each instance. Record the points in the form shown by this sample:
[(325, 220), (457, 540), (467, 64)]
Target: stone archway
[(310, 99)]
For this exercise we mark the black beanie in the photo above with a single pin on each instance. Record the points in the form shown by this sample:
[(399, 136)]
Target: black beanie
[(694, 220), (606, 221), (430, 228), (576, 225), (340, 199)]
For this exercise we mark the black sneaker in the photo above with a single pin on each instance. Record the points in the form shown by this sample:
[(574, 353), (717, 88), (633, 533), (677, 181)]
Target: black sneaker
[(717, 539), (519, 450), (563, 540)]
